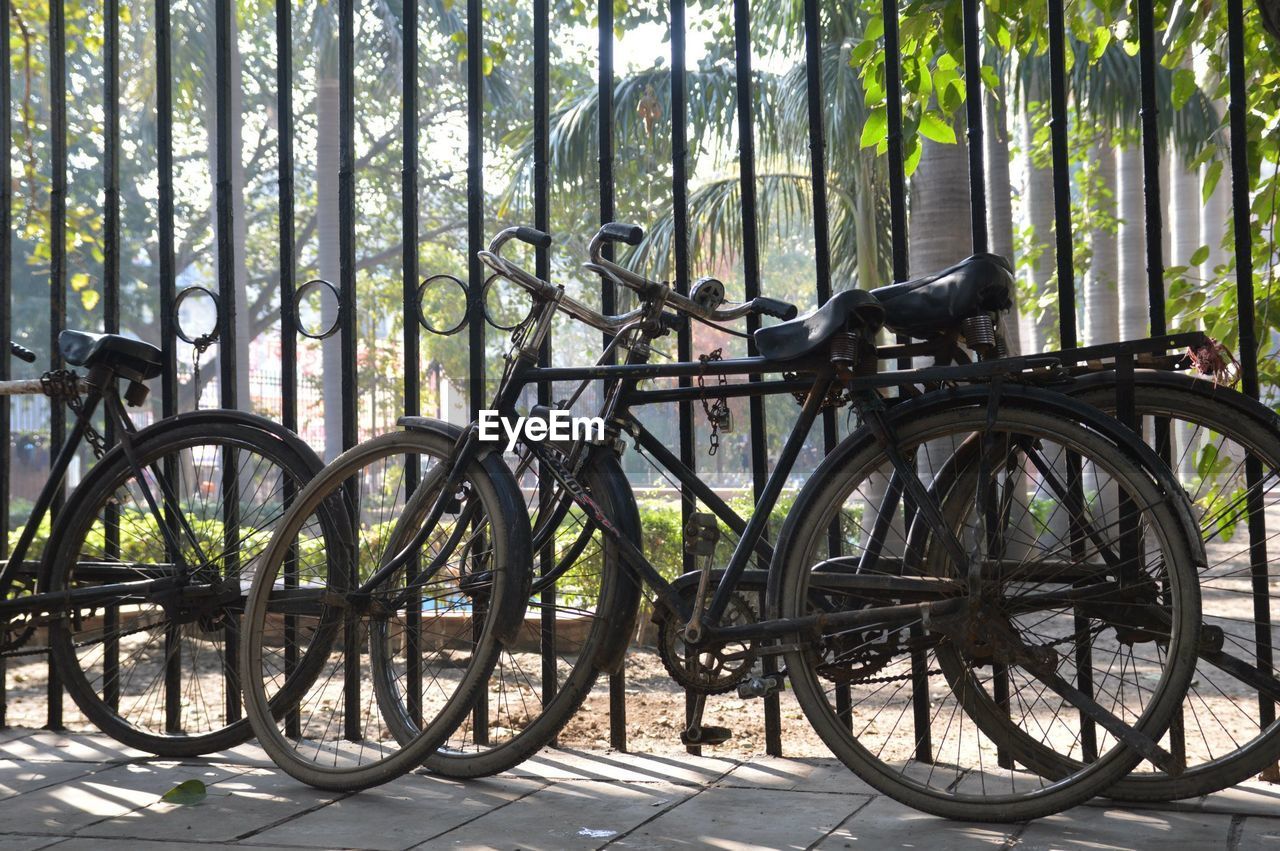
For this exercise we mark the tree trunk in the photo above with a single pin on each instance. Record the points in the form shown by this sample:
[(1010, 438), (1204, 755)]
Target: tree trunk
[(327, 235), (1131, 243), (1101, 295), (1000, 201), (239, 228), (1039, 210), (1183, 222)]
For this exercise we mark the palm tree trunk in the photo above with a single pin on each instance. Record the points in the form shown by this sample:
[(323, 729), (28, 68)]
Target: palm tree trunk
[(1101, 295), (239, 229), (1000, 199), (1131, 243), (1039, 212), (1183, 218), (327, 235)]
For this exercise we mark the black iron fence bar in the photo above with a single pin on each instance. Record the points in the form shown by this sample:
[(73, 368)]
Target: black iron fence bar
[(224, 11), (1238, 107), (409, 271), (542, 267), (6, 311), (608, 292), (897, 167), (1245, 308), (285, 194), (751, 286), (1061, 176), (164, 210), (57, 264), (475, 269), (111, 305), (680, 218), (974, 115), (1151, 166), (347, 311)]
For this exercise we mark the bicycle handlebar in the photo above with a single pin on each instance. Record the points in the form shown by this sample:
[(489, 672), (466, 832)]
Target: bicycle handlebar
[(616, 232), (22, 352), (648, 290)]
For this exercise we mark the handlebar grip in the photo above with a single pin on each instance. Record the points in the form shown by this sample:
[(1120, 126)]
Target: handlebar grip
[(22, 352), (774, 307), (533, 237), (619, 232)]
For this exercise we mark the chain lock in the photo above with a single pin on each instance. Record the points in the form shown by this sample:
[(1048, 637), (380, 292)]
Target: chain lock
[(199, 346), (717, 412)]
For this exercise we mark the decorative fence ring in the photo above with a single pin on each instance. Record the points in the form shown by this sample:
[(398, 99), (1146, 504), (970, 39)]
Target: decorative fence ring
[(484, 303), (422, 314), (305, 290), (199, 340)]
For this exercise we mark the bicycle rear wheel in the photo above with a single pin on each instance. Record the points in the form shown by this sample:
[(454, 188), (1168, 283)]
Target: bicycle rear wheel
[(157, 669), (925, 708), (314, 671)]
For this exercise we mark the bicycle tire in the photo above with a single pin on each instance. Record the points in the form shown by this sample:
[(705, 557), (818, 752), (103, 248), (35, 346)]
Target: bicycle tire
[(1251, 426), (109, 497), (522, 714), (807, 527), (362, 752)]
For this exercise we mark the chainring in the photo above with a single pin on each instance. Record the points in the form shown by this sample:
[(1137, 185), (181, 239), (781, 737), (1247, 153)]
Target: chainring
[(854, 655), (715, 669)]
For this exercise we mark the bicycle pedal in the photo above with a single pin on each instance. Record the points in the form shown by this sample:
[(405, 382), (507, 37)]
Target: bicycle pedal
[(755, 687), (706, 736)]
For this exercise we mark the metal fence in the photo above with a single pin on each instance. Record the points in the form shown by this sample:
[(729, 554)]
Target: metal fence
[(750, 250)]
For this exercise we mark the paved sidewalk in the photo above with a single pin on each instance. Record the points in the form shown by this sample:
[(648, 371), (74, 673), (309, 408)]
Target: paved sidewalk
[(85, 791)]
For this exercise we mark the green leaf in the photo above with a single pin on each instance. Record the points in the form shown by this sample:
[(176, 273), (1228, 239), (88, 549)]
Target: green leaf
[(912, 159), (1098, 46), (89, 298), (79, 281), (1184, 86), (876, 129), (186, 793), (1211, 176), (933, 127), (875, 28), (1200, 255)]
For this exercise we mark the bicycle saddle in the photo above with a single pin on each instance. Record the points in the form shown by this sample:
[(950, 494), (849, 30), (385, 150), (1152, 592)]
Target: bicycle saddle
[(922, 307), (809, 334), (130, 358)]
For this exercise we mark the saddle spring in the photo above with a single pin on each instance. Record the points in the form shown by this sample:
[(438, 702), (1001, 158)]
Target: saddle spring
[(979, 333), (844, 351)]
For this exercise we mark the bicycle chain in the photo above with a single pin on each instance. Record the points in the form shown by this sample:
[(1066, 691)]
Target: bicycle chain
[(717, 412)]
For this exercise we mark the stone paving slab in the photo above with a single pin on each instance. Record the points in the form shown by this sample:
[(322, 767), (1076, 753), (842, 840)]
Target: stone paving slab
[(397, 815), (83, 791), (737, 817), (1107, 829)]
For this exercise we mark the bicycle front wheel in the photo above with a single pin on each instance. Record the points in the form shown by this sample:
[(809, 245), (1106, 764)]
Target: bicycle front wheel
[(938, 712), (319, 620)]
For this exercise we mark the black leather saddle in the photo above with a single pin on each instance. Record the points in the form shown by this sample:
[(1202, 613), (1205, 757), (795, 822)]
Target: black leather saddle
[(805, 335), (129, 358), (934, 303)]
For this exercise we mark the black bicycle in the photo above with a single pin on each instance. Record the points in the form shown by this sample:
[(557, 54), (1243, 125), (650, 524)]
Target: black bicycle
[(137, 588), (988, 628)]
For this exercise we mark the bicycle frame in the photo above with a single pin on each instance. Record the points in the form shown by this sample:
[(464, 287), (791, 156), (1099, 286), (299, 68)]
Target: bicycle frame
[(116, 414)]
